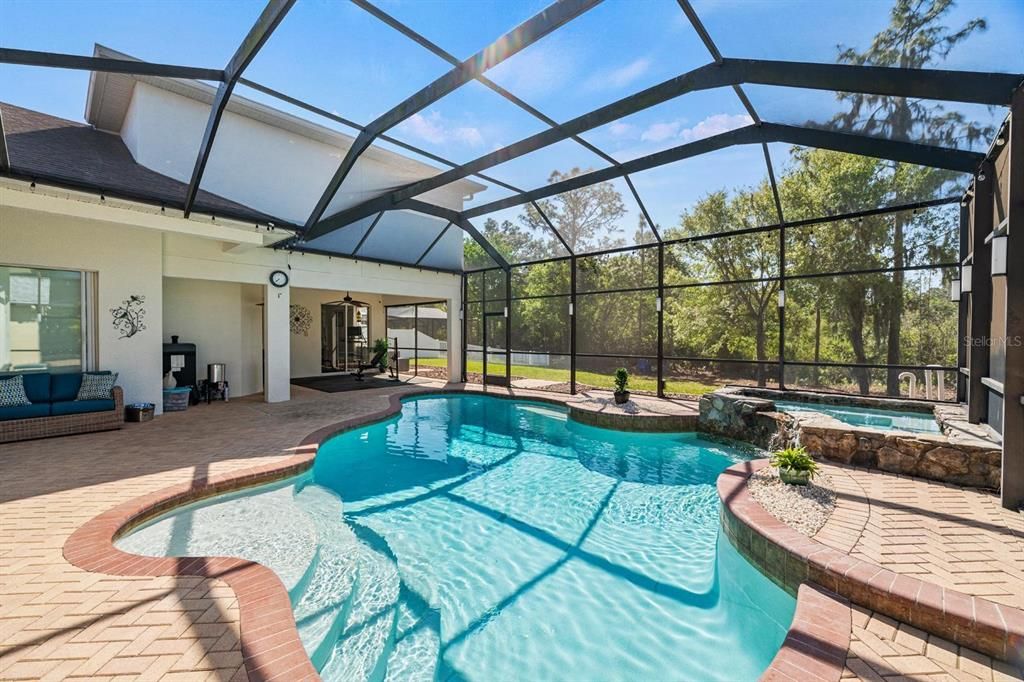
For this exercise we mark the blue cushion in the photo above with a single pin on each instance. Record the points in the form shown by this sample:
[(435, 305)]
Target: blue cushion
[(37, 385), (65, 386), (25, 411), (81, 406)]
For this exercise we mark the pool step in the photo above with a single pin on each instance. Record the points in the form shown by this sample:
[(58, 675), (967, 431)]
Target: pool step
[(365, 644), (326, 601), (417, 645), (266, 527)]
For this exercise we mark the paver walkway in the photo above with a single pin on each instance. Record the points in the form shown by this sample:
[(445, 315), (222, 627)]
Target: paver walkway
[(883, 649), (60, 622), (954, 537)]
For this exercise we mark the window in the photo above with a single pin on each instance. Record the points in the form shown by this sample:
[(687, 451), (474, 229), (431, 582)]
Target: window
[(44, 320)]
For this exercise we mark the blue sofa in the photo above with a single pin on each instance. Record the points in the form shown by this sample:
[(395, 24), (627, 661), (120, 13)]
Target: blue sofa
[(54, 410)]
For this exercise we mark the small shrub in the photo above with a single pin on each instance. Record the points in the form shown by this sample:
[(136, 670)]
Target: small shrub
[(621, 379), (381, 345), (794, 459)]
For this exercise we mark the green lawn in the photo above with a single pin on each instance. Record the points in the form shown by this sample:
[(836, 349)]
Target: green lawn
[(636, 383)]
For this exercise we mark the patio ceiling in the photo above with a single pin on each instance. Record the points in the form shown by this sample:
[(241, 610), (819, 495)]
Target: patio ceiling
[(346, 222)]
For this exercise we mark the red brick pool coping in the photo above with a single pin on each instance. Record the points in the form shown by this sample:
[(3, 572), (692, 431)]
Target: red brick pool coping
[(269, 639), (814, 649), (792, 559)]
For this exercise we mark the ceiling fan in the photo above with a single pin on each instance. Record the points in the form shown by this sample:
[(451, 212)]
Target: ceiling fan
[(348, 300)]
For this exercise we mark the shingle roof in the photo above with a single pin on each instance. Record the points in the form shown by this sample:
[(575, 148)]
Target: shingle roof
[(51, 148)]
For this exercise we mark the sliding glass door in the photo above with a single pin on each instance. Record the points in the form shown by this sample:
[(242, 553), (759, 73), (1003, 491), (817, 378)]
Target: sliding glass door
[(44, 320)]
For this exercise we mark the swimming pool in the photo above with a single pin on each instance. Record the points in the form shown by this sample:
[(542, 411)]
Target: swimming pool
[(886, 420), (484, 539)]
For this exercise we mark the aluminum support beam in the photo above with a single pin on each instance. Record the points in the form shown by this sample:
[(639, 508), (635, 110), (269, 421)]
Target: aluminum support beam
[(1012, 488), (460, 220), (5, 159), (982, 222), (56, 60), (519, 38), (988, 88), (924, 155), (268, 20)]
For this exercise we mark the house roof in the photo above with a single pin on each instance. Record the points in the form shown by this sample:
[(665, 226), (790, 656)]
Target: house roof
[(54, 149)]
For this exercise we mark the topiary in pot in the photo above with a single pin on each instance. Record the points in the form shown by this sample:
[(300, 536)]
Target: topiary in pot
[(621, 380), (796, 467)]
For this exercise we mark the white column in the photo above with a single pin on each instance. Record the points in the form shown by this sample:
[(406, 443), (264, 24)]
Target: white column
[(454, 340), (277, 344)]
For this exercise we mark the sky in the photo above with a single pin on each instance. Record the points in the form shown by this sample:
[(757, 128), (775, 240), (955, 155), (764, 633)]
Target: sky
[(338, 57)]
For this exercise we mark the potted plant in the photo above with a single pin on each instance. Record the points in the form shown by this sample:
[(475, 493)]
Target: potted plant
[(621, 379), (796, 467), (378, 346)]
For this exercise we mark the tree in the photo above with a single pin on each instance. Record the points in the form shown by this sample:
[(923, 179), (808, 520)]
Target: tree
[(510, 240), (852, 313), (702, 320), (585, 217), (914, 39)]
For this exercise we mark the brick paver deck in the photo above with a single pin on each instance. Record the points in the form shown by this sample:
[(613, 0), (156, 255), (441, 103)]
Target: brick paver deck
[(60, 622), (954, 537), (884, 649)]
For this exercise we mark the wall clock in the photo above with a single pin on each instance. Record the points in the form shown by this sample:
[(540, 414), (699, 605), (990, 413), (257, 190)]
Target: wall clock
[(279, 278)]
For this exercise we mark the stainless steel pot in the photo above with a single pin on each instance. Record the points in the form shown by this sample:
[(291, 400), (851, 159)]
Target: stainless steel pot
[(216, 372)]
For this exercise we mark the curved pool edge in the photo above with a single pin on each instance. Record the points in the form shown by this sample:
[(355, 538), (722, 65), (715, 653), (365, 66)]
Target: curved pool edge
[(268, 636), (795, 562)]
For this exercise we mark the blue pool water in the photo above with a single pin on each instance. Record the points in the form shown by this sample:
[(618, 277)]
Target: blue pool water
[(474, 538), (887, 420)]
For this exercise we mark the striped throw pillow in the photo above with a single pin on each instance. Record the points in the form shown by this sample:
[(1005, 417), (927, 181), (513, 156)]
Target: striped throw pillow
[(12, 392), (96, 386)]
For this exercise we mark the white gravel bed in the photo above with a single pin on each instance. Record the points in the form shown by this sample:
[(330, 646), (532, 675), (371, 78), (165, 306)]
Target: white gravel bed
[(805, 508)]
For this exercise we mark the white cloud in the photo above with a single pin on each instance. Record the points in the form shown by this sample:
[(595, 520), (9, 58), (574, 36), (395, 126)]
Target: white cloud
[(712, 125), (625, 75), (715, 125), (620, 129), (541, 69), (435, 129), (658, 132), (620, 77)]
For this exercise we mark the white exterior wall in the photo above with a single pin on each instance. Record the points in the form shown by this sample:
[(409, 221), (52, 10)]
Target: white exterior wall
[(196, 289), (224, 320), (271, 169), (126, 261)]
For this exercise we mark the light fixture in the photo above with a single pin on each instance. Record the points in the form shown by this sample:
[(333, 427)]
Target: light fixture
[(954, 290), (657, 304), (965, 279), (782, 298), (981, 176), (1001, 140), (999, 243), (506, 311), (571, 311)]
